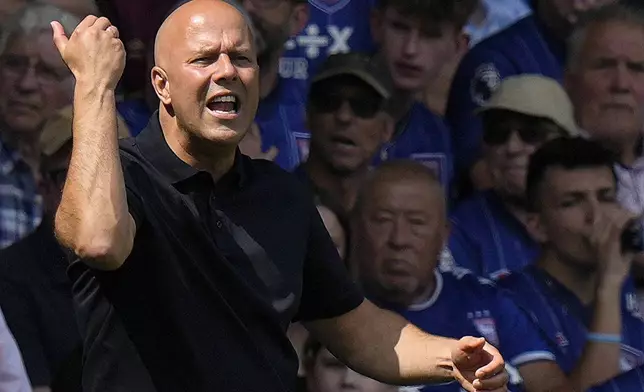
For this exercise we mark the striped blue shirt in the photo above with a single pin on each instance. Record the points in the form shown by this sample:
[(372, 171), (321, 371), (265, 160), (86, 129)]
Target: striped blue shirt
[(487, 239)]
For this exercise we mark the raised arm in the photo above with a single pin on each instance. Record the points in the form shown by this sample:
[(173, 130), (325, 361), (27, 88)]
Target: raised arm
[(93, 218)]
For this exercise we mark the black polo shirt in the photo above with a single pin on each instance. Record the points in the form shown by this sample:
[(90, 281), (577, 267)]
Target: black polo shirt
[(217, 273)]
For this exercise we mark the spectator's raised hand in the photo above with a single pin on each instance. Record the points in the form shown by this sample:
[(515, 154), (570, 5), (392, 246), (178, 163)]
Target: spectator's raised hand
[(94, 53), (479, 366)]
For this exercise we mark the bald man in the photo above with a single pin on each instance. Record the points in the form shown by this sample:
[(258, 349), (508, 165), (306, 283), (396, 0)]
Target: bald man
[(202, 255)]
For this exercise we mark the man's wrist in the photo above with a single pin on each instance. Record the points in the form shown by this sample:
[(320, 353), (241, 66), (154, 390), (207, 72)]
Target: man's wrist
[(91, 87)]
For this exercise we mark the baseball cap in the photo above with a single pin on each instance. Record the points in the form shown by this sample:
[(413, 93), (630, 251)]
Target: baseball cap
[(537, 96), (361, 65), (58, 131)]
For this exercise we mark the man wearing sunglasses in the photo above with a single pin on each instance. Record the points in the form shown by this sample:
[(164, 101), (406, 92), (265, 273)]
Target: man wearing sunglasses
[(488, 229), (348, 125)]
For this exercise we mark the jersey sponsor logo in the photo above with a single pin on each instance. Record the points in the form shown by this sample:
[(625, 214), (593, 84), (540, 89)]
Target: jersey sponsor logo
[(294, 68), (630, 358), (486, 80)]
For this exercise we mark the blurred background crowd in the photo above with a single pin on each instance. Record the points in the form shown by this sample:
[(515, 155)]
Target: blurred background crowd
[(473, 161)]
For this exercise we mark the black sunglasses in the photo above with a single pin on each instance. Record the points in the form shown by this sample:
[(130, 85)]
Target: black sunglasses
[(325, 101), (537, 132)]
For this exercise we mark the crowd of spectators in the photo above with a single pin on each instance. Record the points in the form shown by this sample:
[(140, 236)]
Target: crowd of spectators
[(479, 165)]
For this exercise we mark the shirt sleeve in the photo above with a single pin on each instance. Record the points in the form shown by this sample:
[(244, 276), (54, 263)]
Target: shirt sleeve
[(328, 291), (477, 77), (519, 348), (13, 376)]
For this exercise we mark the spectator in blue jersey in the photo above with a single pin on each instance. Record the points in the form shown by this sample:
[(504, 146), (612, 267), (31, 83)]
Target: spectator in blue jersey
[(534, 45), (335, 26), (348, 125), (488, 228), (399, 228), (326, 373), (605, 80), (579, 290), (416, 38), (281, 113)]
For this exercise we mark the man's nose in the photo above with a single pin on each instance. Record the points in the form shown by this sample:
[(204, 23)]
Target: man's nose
[(344, 113), (410, 47), (224, 69), (400, 234), (29, 80), (621, 80), (350, 380)]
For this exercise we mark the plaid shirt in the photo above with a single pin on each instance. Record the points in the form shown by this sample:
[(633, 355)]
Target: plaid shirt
[(21, 206)]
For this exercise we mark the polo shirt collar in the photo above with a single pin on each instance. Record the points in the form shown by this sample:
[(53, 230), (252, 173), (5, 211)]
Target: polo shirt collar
[(152, 144)]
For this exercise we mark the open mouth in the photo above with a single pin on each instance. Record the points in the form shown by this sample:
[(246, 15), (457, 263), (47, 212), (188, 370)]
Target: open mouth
[(343, 141), (227, 104)]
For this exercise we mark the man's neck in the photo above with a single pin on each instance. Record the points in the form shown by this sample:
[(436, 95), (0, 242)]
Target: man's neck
[(269, 75), (343, 188), (628, 151), (216, 159), (581, 283)]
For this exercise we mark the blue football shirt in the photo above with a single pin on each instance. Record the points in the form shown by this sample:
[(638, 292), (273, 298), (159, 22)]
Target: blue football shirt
[(424, 137), (463, 305), (487, 239), (564, 319)]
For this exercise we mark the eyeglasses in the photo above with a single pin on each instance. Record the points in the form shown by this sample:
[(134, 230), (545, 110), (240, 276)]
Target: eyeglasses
[(328, 102), (18, 66), (535, 133)]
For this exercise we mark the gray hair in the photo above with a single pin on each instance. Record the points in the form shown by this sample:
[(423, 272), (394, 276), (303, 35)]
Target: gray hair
[(34, 18), (620, 13)]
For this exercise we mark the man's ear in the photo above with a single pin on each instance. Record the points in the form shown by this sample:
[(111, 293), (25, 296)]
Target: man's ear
[(299, 18), (376, 21), (462, 42), (536, 229), (161, 85)]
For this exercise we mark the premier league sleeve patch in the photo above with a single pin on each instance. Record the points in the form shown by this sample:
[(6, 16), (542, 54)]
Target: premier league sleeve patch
[(486, 80)]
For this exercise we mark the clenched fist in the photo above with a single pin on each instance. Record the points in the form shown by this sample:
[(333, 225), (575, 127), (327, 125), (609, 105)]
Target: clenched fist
[(94, 53)]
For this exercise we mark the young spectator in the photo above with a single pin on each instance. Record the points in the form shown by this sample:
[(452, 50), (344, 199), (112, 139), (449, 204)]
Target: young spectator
[(488, 229), (335, 26), (533, 45), (325, 373), (579, 290), (416, 39), (605, 80), (398, 232), (35, 83), (348, 125)]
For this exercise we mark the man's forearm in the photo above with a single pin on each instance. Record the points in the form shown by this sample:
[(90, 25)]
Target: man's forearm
[(600, 360), (390, 349), (93, 218)]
